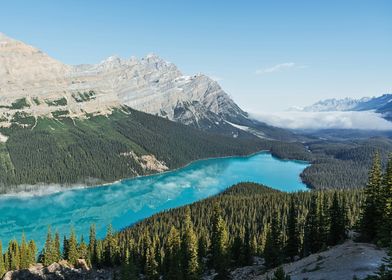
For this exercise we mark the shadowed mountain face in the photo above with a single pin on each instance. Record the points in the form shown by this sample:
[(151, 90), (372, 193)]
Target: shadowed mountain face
[(34, 84)]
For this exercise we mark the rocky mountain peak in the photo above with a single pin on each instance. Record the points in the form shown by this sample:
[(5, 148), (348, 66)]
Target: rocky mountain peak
[(150, 84)]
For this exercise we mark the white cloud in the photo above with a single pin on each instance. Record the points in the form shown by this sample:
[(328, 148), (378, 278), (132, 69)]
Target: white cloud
[(325, 120), (276, 68)]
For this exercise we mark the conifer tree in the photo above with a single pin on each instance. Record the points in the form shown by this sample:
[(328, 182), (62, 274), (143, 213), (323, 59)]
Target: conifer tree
[(311, 229), (203, 245), (151, 267), (237, 250), (92, 247), (32, 251), (2, 264), (323, 215), (24, 253), (48, 254), (110, 247), (373, 192), (72, 247), (385, 228), (7, 261), (293, 242), (191, 262), (173, 255), (246, 251), (273, 245), (13, 255), (65, 248), (128, 268), (56, 247), (337, 230), (83, 250), (219, 243)]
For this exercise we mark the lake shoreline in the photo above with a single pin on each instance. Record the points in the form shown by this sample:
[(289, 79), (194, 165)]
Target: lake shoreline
[(43, 189)]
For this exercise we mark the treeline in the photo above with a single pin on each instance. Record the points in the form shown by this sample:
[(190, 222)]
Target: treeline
[(219, 233), (17, 255)]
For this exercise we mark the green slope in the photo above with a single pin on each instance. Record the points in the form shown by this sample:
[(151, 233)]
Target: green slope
[(64, 150)]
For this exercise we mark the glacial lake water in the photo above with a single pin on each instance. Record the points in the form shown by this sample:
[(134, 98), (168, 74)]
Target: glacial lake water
[(130, 200)]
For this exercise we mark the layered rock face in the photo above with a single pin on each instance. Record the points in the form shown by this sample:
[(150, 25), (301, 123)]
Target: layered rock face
[(36, 84)]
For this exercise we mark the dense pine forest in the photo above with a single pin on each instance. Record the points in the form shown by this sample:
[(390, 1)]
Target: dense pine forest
[(97, 150), (218, 233), (229, 230)]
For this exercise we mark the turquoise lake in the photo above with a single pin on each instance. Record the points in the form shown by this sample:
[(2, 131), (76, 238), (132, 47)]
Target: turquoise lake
[(125, 202)]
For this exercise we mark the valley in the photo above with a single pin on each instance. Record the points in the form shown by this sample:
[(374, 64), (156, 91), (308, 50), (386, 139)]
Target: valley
[(131, 200), (130, 169)]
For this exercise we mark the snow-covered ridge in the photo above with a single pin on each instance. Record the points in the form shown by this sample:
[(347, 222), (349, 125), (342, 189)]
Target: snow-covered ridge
[(349, 104)]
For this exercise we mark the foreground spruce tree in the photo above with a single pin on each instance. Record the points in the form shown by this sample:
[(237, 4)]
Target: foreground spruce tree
[(219, 244), (173, 255), (311, 230), (337, 228), (2, 264), (72, 247), (371, 212), (293, 242), (190, 248), (273, 245)]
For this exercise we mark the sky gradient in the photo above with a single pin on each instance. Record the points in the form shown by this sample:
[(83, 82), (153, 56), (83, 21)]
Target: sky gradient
[(268, 55)]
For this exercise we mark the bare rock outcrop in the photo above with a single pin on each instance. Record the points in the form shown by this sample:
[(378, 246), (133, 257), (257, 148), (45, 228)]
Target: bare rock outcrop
[(60, 271)]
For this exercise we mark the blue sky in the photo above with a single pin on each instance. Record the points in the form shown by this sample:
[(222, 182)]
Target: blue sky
[(268, 55)]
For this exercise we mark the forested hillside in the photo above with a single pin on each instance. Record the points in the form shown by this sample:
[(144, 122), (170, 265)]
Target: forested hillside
[(217, 233), (343, 164), (103, 149)]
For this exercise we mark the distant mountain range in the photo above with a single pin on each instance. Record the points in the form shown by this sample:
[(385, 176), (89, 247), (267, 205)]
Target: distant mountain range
[(381, 104), (37, 85)]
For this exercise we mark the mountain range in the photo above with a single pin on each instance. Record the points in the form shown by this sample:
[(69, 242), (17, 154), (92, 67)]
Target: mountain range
[(120, 118), (33, 83), (381, 104)]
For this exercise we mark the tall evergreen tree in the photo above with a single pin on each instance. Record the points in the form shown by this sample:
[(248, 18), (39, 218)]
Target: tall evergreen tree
[(128, 268), (2, 264), (32, 251), (385, 228), (83, 250), (48, 254), (311, 229), (72, 248), (219, 243), (173, 255), (13, 255), (337, 230), (56, 247), (110, 247), (24, 253), (151, 267), (293, 242), (273, 245), (247, 251), (191, 262), (373, 192), (92, 246)]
